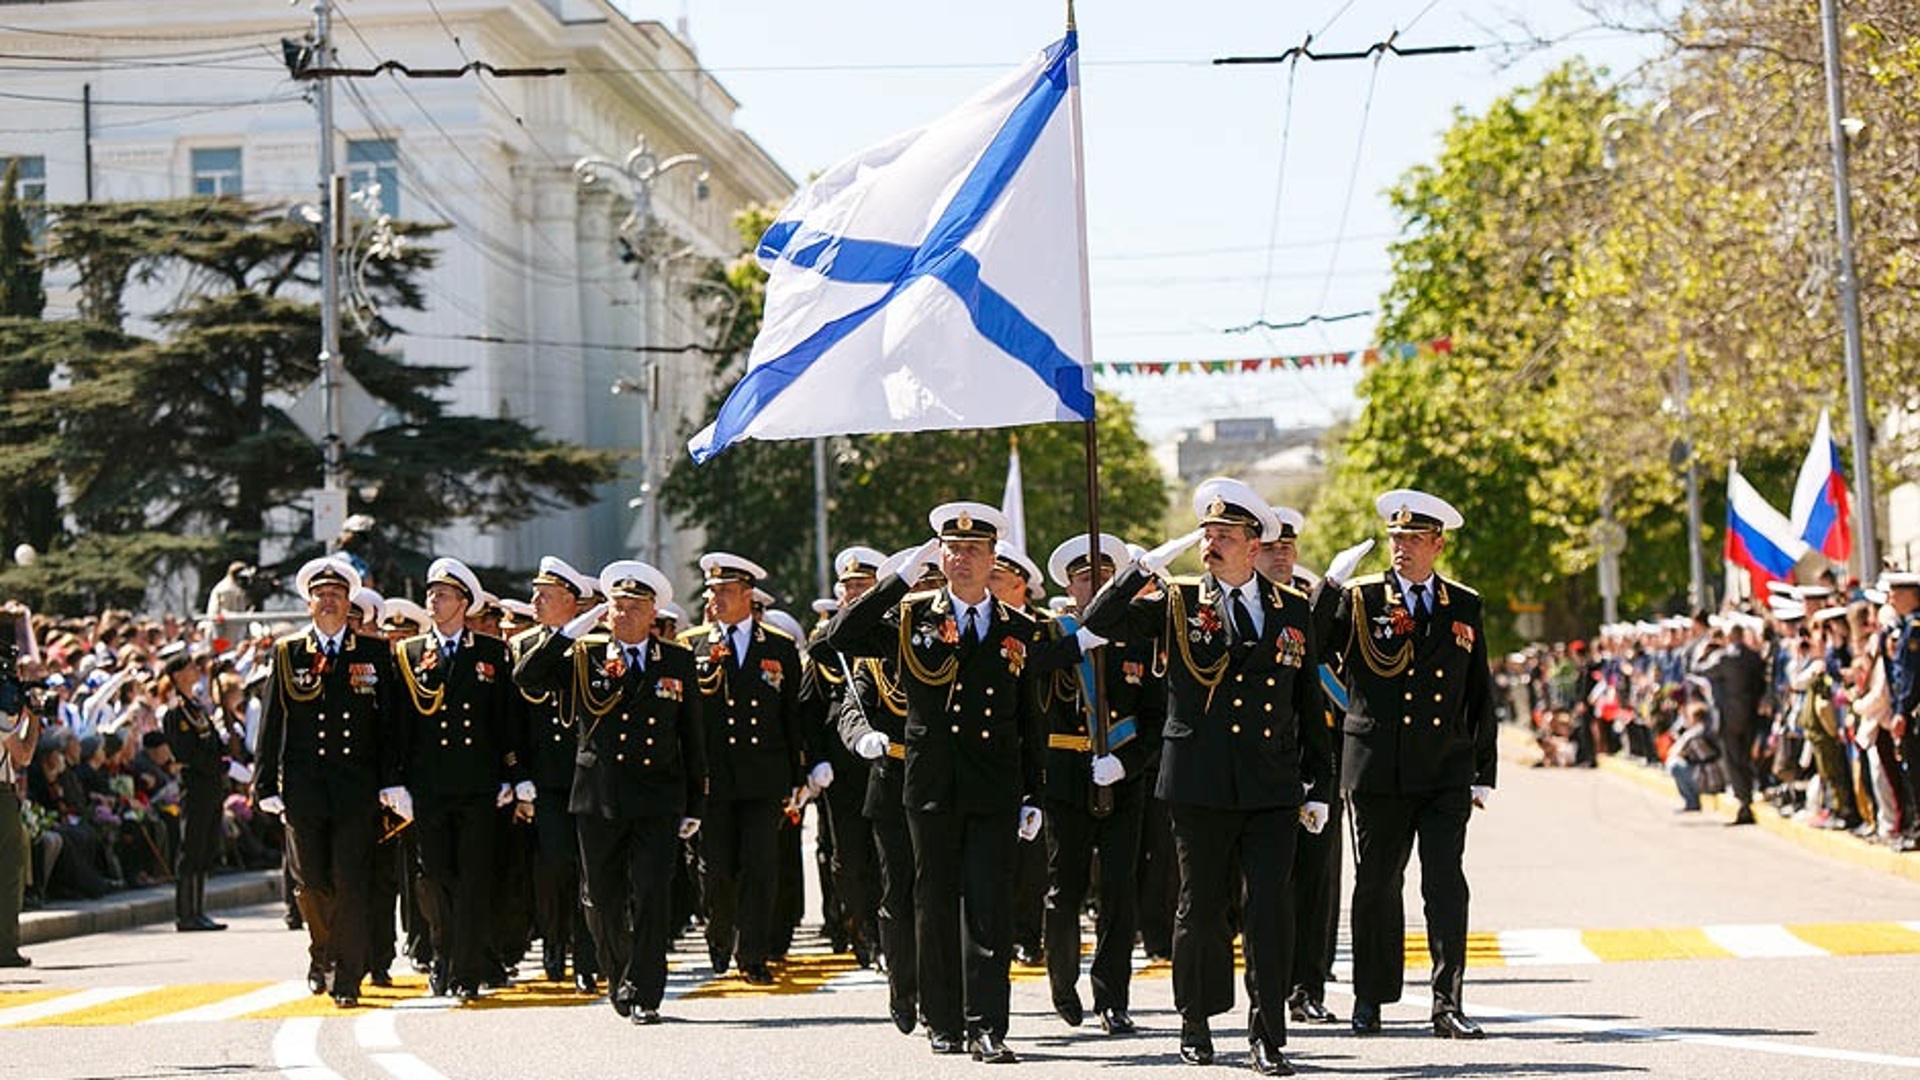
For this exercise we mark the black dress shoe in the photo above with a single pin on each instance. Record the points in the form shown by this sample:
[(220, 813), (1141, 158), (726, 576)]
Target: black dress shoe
[(294, 921), (1070, 1009), (1744, 817), (15, 960), (316, 979), (1366, 1017), (380, 978), (1269, 1061), (941, 1043), (1116, 1022), (1029, 955), (346, 1001), (585, 984), (718, 959), (622, 1003), (1453, 1024), (437, 984), (207, 923), (756, 974), (1305, 1010), (989, 1049), (466, 992), (1196, 1043), (902, 1018), (644, 1016)]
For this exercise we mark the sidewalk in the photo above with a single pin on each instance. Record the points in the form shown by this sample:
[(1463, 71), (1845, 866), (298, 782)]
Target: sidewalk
[(1517, 746), (129, 908)]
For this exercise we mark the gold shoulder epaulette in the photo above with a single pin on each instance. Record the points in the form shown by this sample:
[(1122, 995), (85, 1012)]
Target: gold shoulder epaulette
[(1367, 579), (1187, 580), (774, 631), (291, 639), (1289, 588), (1469, 590), (687, 636), (665, 644)]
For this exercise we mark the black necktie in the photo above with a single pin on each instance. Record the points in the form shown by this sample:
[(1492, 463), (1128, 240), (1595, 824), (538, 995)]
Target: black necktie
[(333, 650), (1243, 627), (1422, 611), (448, 647), (971, 631), (636, 659)]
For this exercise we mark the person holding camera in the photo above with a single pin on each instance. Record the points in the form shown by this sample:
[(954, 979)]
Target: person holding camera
[(19, 736)]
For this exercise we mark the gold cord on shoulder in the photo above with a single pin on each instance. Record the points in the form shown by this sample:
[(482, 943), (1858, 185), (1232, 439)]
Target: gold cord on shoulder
[(1208, 676), (427, 702), (939, 676), (1385, 665), (283, 669)]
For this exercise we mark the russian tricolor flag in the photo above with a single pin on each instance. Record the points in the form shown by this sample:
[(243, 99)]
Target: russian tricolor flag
[(1821, 511), (1759, 538)]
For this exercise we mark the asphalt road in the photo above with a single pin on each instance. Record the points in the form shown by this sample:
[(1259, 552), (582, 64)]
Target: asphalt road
[(1612, 937)]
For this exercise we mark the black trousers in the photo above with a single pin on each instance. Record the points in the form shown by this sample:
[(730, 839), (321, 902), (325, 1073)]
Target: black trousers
[(963, 867), (1214, 844), (383, 894), (1386, 830), (1073, 836), (331, 858), (1158, 876), (893, 843), (628, 867), (511, 920), (556, 882), (739, 871), (1737, 753), (203, 803), (853, 869), (456, 883), (1030, 890), (1316, 904)]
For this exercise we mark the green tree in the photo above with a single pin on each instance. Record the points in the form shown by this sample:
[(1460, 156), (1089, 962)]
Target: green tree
[(756, 498), (31, 513), (177, 446)]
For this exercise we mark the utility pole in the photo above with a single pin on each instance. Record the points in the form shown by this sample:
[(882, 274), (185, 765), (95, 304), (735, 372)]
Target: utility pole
[(1867, 544)]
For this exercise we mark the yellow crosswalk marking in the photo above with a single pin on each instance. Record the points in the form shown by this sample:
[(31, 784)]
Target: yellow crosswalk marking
[(1858, 939), (1483, 950), (10, 998), (1679, 943), (797, 974), (139, 1007)]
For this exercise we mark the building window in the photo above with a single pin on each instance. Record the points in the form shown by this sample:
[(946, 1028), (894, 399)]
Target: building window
[(375, 163), (216, 171), (30, 184)]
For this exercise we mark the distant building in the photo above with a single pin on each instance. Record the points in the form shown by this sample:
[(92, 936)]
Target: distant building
[(535, 294), (1252, 448)]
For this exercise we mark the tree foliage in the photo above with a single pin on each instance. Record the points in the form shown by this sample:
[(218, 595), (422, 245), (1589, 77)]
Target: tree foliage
[(184, 433), (756, 498)]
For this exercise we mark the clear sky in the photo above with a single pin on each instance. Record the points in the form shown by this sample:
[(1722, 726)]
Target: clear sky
[(1211, 202)]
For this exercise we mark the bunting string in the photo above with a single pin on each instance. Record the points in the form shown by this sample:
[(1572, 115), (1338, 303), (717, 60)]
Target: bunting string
[(1405, 350)]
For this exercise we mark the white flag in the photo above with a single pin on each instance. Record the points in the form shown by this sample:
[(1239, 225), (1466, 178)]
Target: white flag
[(1013, 499), (935, 281)]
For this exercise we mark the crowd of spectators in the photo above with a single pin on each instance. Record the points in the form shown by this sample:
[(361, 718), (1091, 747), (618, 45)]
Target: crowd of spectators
[(1791, 700)]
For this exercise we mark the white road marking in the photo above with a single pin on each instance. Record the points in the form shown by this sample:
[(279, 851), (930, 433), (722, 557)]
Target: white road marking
[(84, 999), (296, 1051), (376, 1030), (1756, 941), (406, 1067), (1586, 1026), (1524, 947), (232, 1008)]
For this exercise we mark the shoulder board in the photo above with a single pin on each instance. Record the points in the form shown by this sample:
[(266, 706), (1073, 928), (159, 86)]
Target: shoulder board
[(687, 636), (1187, 581), (920, 596), (775, 632), (1288, 589), (673, 646), (593, 641), (525, 636), (1366, 579), (406, 641), (291, 639), (1452, 584)]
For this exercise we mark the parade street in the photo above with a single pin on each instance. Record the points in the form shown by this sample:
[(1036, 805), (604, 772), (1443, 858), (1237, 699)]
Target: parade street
[(1611, 936)]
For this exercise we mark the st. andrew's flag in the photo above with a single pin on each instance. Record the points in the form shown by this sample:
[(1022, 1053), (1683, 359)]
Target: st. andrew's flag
[(1820, 505), (1759, 539), (934, 281)]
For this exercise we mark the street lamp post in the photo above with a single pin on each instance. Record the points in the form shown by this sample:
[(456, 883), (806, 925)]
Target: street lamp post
[(638, 172), (1683, 454)]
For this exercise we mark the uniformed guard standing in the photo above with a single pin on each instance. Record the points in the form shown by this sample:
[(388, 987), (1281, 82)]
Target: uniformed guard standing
[(1244, 741), (322, 764), (973, 764), (750, 690), (1317, 856), (1419, 756), (559, 591), (1134, 697), (853, 865), (640, 773), (464, 735), (201, 752)]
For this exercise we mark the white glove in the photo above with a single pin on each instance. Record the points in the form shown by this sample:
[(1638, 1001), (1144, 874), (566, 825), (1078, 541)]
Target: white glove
[(925, 555), (871, 745), (1155, 562), (272, 805), (821, 777), (583, 624), (504, 795), (688, 826), (1343, 564), (1482, 795), (1313, 817), (1029, 822), (1108, 771), (399, 800), (1088, 640), (524, 791)]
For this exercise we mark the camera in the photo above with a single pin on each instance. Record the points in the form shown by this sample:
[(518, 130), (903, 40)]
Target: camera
[(16, 694)]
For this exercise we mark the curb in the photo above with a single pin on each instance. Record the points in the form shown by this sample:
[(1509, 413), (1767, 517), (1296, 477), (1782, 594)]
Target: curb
[(142, 907), (1517, 746)]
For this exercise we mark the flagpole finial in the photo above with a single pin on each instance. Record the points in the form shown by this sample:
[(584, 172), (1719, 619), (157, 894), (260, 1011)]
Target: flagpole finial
[(1070, 25)]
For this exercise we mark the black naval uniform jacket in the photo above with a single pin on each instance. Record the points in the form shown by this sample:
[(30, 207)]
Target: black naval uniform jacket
[(550, 734), (463, 724), (323, 748), (639, 747), (827, 684), (1245, 726), (974, 730), (1419, 707), (197, 743), (874, 701), (1135, 697), (756, 741)]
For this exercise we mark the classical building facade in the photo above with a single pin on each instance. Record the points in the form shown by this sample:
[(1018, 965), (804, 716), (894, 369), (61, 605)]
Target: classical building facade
[(540, 294)]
